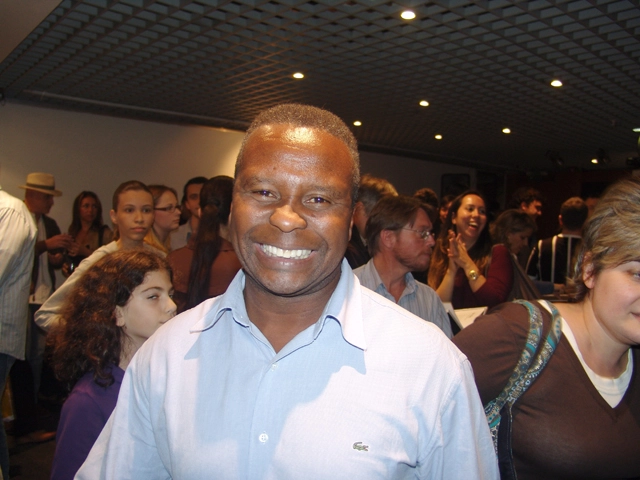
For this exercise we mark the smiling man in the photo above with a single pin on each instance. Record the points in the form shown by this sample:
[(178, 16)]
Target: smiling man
[(296, 371)]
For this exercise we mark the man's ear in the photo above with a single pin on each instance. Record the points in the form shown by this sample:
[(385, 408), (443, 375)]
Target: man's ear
[(119, 313), (388, 238), (351, 226)]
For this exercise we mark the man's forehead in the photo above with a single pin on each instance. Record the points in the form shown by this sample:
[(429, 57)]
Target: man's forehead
[(295, 139), (290, 134), (421, 218)]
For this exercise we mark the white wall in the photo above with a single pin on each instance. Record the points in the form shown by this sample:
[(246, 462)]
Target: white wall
[(409, 174), (95, 152)]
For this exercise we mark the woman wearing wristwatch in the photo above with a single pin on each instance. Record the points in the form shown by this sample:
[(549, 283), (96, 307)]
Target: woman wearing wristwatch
[(465, 269)]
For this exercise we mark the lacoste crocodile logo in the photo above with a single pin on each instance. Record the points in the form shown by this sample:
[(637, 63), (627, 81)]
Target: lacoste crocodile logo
[(360, 447)]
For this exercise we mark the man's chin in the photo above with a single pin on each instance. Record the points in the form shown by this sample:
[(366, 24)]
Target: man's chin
[(281, 286)]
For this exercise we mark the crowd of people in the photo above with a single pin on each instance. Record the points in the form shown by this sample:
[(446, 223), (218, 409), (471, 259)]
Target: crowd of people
[(313, 317)]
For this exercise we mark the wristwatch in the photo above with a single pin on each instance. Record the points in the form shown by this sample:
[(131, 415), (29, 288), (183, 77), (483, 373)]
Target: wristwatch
[(473, 275)]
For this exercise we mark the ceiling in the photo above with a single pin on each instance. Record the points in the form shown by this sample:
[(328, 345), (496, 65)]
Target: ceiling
[(482, 66)]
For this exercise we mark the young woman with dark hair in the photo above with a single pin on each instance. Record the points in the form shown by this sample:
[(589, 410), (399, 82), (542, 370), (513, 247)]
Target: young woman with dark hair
[(465, 270), (206, 266), (87, 227), (116, 305)]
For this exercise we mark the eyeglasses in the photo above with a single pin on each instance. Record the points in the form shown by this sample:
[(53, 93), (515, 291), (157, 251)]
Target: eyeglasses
[(423, 234), (169, 208)]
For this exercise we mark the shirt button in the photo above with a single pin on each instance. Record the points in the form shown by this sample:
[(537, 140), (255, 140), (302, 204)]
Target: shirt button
[(274, 366), (263, 438)]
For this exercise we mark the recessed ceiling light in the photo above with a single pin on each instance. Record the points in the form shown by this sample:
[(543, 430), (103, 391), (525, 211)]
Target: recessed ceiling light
[(506, 130), (637, 130), (556, 83), (298, 75), (594, 160), (424, 103), (408, 15), (438, 137), (357, 123)]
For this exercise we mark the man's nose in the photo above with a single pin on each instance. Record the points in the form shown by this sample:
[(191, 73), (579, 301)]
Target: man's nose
[(287, 219)]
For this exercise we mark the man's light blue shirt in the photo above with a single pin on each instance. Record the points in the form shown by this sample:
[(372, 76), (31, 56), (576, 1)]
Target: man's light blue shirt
[(417, 297), (369, 391)]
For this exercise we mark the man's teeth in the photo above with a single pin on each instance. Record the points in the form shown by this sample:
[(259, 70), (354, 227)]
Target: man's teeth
[(272, 251)]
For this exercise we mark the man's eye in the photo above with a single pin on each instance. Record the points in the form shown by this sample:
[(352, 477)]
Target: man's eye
[(318, 200), (263, 194), (147, 210)]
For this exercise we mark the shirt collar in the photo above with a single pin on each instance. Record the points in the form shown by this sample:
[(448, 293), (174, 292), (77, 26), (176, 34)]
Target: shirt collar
[(371, 271), (344, 306)]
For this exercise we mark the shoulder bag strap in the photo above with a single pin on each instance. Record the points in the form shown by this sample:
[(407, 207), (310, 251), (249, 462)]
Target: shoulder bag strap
[(529, 364)]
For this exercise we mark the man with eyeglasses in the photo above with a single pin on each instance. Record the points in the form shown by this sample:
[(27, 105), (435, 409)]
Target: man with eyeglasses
[(400, 240)]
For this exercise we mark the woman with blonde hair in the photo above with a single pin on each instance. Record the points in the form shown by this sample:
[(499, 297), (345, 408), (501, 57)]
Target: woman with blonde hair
[(579, 416), (167, 217)]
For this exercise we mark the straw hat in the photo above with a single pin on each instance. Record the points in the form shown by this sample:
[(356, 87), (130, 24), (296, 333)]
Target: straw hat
[(42, 182)]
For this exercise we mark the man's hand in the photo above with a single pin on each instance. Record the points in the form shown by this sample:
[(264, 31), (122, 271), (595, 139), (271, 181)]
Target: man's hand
[(59, 241)]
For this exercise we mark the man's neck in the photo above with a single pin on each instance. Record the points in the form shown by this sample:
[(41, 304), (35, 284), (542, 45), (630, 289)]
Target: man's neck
[(391, 273), (280, 318), (575, 233), (37, 216)]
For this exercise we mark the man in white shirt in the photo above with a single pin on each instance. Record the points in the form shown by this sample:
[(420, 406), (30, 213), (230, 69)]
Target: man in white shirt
[(400, 238), (50, 248), (296, 371), (17, 238)]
